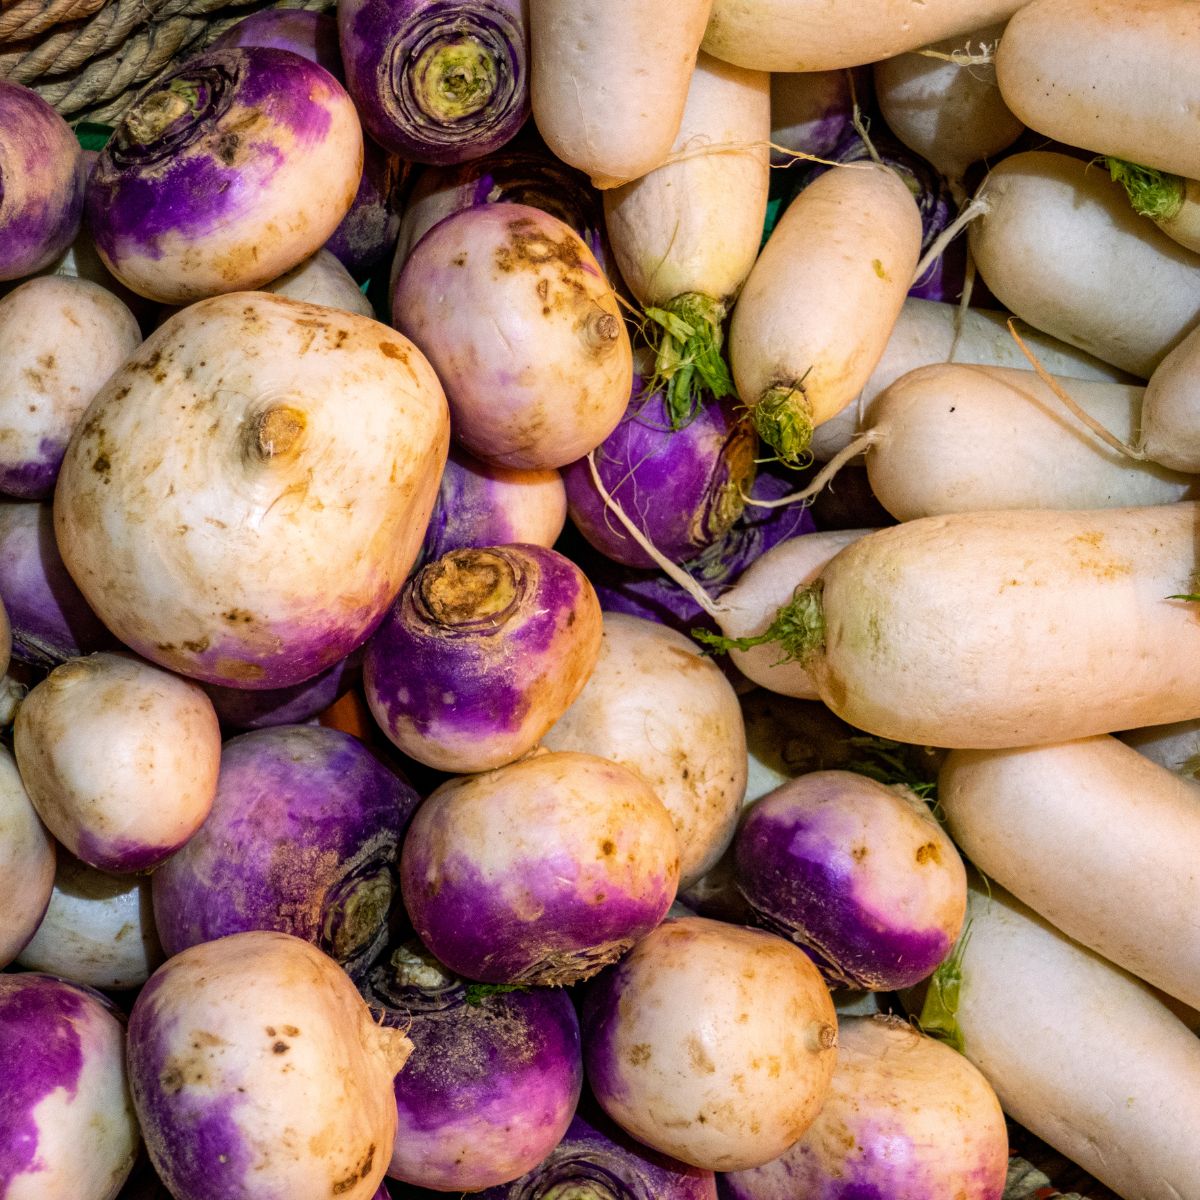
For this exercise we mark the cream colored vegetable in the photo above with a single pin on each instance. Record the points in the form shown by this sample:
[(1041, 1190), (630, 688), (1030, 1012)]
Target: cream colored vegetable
[(27, 854), (1175, 746), (1170, 429)]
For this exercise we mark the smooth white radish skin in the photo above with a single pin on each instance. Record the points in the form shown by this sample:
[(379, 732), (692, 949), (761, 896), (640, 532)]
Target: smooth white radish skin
[(524, 331), (906, 1117), (958, 438), (60, 339), (810, 111), (950, 113), (1175, 746), (222, 512), (928, 332), (656, 704), (120, 759), (257, 1071), (1081, 1054), (712, 1043), (997, 629), (825, 35), (750, 606), (609, 81), (98, 929), (321, 279), (1170, 428), (27, 855), (1114, 76), (820, 302), (1061, 247), (1097, 839), (69, 1128)]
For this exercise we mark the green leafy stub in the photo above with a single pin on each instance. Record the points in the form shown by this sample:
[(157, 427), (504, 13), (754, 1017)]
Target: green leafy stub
[(889, 762), (477, 993), (798, 628), (686, 338), (783, 419), (939, 1013), (1153, 194)]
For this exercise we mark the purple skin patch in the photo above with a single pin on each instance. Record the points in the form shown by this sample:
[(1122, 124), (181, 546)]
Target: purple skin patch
[(122, 856), (682, 488), (42, 179), (598, 1158), (51, 621), (195, 176), (496, 1075), (437, 81), (240, 709), (468, 510), (366, 238), (303, 838), (34, 479), (801, 881), (312, 35)]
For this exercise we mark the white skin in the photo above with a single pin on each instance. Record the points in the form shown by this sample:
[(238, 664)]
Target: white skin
[(26, 862)]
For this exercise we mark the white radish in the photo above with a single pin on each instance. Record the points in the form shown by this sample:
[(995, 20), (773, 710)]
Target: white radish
[(322, 279), (27, 854), (823, 35), (1060, 246), (820, 303), (1099, 840), (1170, 201), (1170, 427), (609, 81)]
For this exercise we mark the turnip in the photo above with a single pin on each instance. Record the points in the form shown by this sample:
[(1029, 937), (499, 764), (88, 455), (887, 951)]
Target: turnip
[(540, 872), (256, 1070), (1060, 246), (311, 34), (229, 170), (27, 856), (860, 875), (480, 504), (437, 81), (303, 838), (321, 279), (523, 329), (609, 82), (41, 182), (68, 1125), (1170, 426), (820, 302), (240, 709), (494, 1076), (120, 759), (810, 112), (906, 1117), (60, 339), (275, 530), (686, 234), (712, 1043), (482, 652), (1096, 838), (656, 705), (98, 929)]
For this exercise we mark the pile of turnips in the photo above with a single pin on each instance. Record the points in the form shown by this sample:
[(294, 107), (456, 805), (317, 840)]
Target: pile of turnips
[(404, 409)]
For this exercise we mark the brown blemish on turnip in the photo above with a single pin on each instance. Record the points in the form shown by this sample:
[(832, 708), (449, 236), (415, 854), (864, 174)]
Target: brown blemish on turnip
[(699, 1057), (928, 853), (639, 1055), (391, 350)]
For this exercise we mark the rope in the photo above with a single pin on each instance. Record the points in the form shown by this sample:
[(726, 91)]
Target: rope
[(24, 19)]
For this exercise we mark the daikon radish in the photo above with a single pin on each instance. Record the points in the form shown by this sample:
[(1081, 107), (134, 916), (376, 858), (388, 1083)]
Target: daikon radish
[(821, 35), (1098, 839), (609, 81), (1060, 246), (1170, 429), (686, 234), (821, 301), (959, 437), (1080, 1053), (1115, 76)]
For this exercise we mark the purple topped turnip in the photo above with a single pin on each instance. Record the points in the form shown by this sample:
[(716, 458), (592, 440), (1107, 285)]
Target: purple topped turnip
[(226, 172), (47, 377), (482, 652), (437, 81), (494, 1076), (313, 35), (480, 504), (67, 1127), (906, 1118), (51, 621), (683, 488), (597, 1161), (712, 1043), (857, 873), (303, 838), (120, 759), (41, 182), (524, 332), (541, 872), (27, 854), (811, 111), (246, 495), (258, 1072), (240, 709)]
